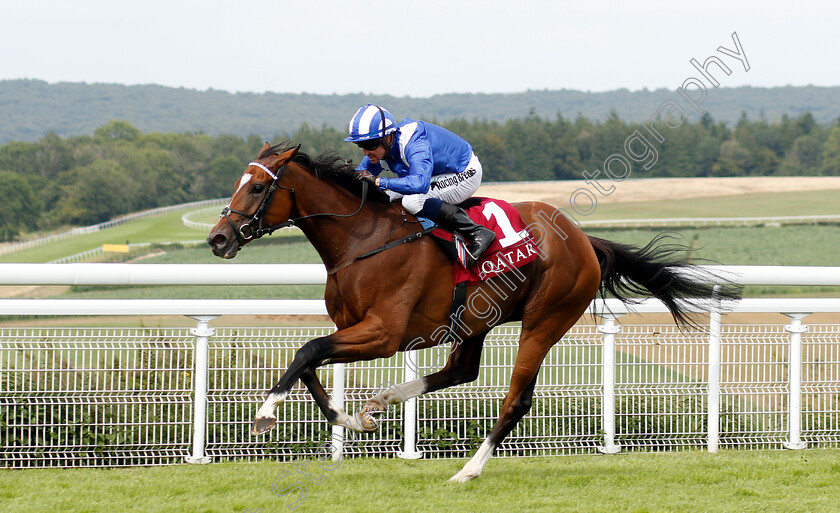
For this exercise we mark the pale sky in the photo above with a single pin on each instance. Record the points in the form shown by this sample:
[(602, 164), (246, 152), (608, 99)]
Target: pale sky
[(415, 48)]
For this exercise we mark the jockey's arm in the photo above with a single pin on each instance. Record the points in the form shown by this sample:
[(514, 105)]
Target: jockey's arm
[(418, 155)]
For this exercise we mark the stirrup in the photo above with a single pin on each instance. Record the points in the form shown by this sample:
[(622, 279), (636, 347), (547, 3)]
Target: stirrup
[(475, 255)]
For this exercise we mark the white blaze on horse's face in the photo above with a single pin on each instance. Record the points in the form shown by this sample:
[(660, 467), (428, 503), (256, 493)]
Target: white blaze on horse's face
[(242, 181)]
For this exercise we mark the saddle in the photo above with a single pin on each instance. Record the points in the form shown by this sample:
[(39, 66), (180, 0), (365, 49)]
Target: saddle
[(513, 247)]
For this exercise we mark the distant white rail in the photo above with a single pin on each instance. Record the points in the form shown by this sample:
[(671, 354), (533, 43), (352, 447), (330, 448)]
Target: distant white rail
[(710, 221), (219, 307), (186, 219), (107, 224), (315, 274), (162, 274)]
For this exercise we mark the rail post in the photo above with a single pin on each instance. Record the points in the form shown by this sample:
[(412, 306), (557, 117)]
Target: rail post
[(202, 333), (337, 397), (410, 451), (796, 329), (713, 400), (608, 329)]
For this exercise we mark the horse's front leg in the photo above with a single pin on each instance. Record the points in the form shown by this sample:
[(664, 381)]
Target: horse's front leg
[(366, 340)]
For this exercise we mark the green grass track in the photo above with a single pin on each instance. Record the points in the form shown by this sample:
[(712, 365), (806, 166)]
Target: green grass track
[(159, 228), (690, 482)]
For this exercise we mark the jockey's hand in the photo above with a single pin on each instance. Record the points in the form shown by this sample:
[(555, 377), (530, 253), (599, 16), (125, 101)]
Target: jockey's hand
[(348, 166), (363, 175)]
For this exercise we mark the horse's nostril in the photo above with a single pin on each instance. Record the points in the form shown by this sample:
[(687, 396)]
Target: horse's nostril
[(218, 240)]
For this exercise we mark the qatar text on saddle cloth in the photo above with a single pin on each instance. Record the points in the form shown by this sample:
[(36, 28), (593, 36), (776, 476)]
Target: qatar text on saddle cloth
[(513, 247)]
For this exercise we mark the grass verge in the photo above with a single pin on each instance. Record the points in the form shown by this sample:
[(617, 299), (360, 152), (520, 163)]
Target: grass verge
[(731, 481)]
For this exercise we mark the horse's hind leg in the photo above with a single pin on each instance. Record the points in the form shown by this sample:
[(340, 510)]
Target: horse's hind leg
[(462, 366), (540, 331), (516, 404)]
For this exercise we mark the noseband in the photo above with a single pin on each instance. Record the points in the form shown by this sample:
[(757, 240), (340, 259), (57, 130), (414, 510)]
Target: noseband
[(254, 228)]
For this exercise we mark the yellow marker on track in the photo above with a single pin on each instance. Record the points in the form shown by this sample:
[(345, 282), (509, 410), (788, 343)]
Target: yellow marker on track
[(115, 248)]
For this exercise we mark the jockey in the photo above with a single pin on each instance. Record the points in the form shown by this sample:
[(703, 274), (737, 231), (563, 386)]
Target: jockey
[(436, 170)]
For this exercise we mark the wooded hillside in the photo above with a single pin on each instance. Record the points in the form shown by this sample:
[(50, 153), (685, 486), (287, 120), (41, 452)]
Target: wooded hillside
[(119, 169), (32, 108)]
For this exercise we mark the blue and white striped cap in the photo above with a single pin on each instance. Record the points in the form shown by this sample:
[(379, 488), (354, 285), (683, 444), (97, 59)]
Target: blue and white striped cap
[(367, 123)]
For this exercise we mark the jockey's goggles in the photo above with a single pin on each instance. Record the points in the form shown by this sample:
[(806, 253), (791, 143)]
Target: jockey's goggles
[(370, 144)]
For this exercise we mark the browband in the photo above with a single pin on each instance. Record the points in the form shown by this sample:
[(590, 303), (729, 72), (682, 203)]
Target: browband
[(264, 168)]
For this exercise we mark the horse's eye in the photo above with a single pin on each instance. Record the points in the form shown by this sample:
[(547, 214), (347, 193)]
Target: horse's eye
[(257, 188)]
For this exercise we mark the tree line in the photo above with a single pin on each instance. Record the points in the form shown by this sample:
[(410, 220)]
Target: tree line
[(32, 108), (82, 180)]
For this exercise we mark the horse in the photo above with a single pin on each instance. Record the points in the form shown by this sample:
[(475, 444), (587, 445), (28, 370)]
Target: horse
[(389, 289)]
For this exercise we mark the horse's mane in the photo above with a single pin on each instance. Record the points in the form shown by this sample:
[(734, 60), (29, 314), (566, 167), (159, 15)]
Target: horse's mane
[(330, 166)]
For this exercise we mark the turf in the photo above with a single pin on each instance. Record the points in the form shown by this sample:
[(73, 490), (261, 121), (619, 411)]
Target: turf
[(170, 228), (747, 205), (752, 245), (788, 245), (159, 228), (730, 481)]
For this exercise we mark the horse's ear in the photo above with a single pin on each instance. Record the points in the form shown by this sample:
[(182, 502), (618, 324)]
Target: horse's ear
[(281, 159), (266, 146), (288, 154)]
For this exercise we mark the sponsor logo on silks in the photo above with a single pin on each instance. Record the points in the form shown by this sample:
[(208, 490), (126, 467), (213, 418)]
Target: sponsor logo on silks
[(505, 260), (452, 180)]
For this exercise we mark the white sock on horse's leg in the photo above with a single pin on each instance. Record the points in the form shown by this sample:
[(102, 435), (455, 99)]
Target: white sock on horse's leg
[(267, 409), (363, 421), (400, 393), (353, 423), (476, 464)]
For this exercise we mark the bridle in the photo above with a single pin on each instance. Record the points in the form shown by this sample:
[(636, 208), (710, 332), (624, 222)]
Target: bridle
[(254, 228)]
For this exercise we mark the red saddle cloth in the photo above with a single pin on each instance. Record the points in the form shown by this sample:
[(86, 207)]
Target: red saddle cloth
[(513, 247)]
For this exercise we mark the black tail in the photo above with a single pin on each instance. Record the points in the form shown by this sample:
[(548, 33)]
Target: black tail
[(659, 270)]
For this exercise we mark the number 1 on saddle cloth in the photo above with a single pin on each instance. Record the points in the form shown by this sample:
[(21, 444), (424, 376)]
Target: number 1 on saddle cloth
[(513, 247)]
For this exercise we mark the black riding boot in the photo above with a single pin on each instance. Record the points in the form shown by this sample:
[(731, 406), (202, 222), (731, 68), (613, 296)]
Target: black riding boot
[(478, 238)]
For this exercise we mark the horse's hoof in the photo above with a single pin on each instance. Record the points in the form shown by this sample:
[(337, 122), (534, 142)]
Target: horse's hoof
[(461, 478), (366, 415), (368, 421), (263, 425), (372, 407)]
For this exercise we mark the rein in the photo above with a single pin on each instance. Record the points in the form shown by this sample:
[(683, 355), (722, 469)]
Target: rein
[(254, 229), (380, 249)]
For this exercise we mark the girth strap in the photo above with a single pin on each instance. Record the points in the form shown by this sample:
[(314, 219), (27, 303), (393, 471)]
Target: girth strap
[(459, 299), (389, 245)]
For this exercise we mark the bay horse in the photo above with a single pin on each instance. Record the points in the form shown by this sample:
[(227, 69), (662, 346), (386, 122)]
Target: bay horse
[(401, 298)]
